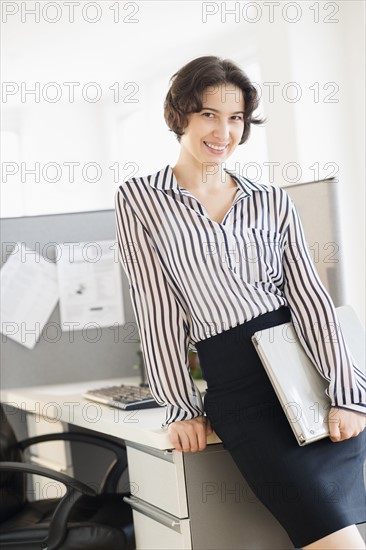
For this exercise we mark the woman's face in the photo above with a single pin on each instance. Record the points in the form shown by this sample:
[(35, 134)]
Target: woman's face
[(213, 134)]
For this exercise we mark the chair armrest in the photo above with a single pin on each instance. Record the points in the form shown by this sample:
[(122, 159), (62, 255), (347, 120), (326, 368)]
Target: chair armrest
[(114, 472), (75, 489), (98, 440), (25, 467)]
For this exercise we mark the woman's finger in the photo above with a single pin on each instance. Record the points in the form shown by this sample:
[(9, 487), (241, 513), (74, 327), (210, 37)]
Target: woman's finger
[(185, 440), (174, 437), (201, 437), (334, 426), (209, 429)]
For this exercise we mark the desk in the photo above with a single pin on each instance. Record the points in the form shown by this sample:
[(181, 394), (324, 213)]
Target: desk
[(187, 501)]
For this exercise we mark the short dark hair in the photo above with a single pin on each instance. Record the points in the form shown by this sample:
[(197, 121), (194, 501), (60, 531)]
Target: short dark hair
[(188, 84)]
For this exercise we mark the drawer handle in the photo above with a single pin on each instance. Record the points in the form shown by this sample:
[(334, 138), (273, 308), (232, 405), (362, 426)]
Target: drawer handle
[(154, 513), (163, 455)]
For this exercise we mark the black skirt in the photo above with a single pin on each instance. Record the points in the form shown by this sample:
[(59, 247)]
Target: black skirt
[(313, 490)]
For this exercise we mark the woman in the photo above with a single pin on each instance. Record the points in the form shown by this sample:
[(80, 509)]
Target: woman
[(211, 258)]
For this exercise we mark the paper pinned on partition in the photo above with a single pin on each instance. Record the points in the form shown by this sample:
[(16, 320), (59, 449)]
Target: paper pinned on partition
[(90, 286), (29, 294)]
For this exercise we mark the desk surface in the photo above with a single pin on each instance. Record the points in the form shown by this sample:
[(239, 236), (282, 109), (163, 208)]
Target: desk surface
[(64, 402)]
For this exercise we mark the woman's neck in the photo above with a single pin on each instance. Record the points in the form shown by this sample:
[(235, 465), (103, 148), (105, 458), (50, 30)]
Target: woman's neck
[(202, 177)]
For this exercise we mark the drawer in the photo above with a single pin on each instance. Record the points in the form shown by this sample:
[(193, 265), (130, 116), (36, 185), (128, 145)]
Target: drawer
[(157, 530), (157, 477)]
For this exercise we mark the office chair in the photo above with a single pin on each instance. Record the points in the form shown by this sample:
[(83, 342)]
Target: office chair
[(82, 519)]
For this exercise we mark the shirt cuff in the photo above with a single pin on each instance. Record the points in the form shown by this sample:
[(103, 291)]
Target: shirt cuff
[(174, 414), (355, 407)]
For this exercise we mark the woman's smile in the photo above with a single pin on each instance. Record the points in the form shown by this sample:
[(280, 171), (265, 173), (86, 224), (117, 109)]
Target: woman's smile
[(215, 148)]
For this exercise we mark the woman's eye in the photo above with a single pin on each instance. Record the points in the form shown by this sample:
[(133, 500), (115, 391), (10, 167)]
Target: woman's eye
[(212, 115)]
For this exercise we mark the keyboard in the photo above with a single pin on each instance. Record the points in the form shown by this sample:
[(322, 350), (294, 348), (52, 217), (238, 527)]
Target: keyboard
[(123, 397)]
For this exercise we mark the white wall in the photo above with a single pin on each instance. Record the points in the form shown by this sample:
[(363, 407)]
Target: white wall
[(334, 132)]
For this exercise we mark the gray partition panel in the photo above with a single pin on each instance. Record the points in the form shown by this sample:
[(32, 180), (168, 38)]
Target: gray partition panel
[(318, 206), (105, 354)]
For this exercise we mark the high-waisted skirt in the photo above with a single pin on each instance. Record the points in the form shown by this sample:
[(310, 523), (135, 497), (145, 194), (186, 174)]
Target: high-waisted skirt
[(313, 490)]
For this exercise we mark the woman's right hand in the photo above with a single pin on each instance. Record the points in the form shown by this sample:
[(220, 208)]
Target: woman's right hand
[(190, 435)]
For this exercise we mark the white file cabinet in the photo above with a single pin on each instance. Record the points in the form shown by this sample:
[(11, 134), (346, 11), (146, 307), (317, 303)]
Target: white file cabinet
[(196, 501), (159, 499), (55, 455)]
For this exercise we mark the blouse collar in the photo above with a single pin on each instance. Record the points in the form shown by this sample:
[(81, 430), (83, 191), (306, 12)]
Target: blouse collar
[(165, 180)]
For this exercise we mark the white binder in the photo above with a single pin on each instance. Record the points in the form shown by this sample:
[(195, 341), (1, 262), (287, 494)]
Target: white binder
[(299, 386)]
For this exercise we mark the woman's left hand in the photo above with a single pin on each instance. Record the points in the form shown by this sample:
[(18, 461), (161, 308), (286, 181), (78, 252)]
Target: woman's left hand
[(344, 423)]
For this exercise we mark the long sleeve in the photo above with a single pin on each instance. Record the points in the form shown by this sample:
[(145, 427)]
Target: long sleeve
[(316, 323), (161, 317)]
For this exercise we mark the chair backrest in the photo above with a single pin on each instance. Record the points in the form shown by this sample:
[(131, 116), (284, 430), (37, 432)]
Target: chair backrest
[(12, 484)]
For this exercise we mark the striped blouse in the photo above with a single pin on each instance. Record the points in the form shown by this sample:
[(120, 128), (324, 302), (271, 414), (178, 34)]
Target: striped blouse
[(191, 278)]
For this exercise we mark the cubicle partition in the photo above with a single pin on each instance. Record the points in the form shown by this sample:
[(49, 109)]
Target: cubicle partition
[(97, 353)]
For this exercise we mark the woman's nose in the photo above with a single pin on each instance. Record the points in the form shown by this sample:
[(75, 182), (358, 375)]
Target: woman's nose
[(221, 130)]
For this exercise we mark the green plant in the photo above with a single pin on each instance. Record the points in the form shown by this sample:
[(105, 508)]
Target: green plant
[(194, 365)]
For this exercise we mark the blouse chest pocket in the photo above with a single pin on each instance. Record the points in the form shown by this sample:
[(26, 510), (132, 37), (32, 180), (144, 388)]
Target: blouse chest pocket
[(262, 254)]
